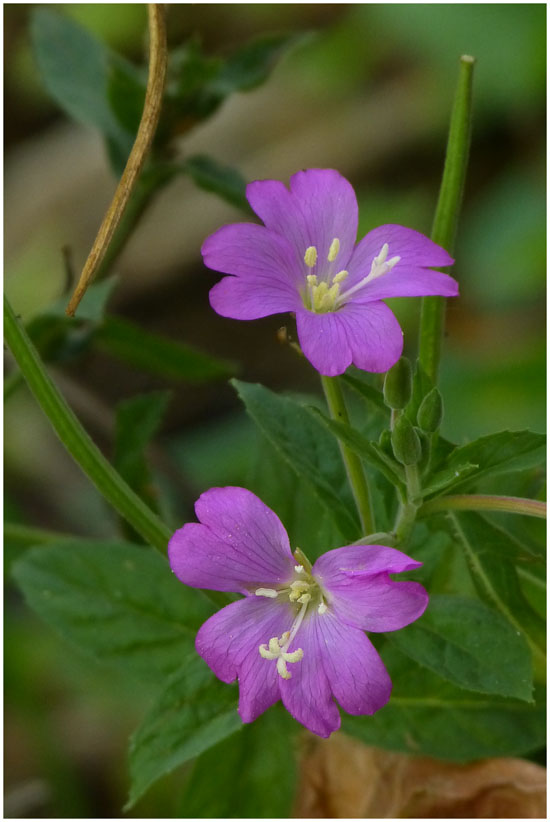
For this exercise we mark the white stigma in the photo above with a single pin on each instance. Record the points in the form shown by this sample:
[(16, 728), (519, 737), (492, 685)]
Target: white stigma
[(310, 257), (266, 592), (333, 250), (379, 266)]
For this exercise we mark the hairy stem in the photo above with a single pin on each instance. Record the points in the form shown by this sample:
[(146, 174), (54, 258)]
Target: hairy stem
[(353, 465), (158, 57), (484, 502), (445, 224)]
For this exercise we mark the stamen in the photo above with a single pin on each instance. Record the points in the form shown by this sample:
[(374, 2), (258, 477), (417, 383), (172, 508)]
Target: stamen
[(311, 279), (322, 608), (340, 277), (310, 257), (299, 569), (304, 599), (380, 266), (266, 592), (333, 250)]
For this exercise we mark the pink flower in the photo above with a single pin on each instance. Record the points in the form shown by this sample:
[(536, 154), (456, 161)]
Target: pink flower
[(298, 633), (304, 259)]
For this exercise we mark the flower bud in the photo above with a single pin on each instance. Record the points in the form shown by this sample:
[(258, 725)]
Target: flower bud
[(405, 442), (398, 384), (430, 413)]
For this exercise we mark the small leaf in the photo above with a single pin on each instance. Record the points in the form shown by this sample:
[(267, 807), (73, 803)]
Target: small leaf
[(360, 382), (364, 448), (447, 478), (137, 421), (471, 645), (306, 445), (251, 65), (194, 712), (158, 355), (431, 717), (222, 180), (126, 92), (117, 602), (235, 778), (92, 306)]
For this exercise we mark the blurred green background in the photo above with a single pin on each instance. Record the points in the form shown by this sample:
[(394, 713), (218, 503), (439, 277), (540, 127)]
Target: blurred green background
[(367, 90)]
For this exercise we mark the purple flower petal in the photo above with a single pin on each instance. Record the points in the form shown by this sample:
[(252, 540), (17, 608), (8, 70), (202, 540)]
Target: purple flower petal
[(367, 335), (357, 676), (320, 206), (235, 297), (252, 252), (229, 644), (414, 248), (404, 281), (362, 594), (239, 545), (307, 695)]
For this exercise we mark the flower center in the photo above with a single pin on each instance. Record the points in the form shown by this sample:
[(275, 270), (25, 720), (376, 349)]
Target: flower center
[(305, 592), (323, 293)]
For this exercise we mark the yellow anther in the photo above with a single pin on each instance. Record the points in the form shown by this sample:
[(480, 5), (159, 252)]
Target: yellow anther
[(322, 608), (310, 257), (304, 599), (299, 569), (312, 280), (333, 250), (340, 277), (298, 588)]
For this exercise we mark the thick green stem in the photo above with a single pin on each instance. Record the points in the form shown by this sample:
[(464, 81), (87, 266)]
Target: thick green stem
[(484, 502), (354, 468), (75, 439), (445, 224)]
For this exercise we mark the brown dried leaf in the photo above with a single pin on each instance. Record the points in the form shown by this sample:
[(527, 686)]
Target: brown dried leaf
[(342, 778)]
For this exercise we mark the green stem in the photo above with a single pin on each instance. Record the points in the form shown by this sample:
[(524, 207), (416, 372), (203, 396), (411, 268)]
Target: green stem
[(75, 439), (485, 502), (445, 224), (354, 467)]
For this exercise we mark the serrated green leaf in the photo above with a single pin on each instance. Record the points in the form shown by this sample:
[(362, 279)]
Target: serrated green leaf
[(306, 445), (137, 421), (428, 716), (364, 448), (471, 645), (485, 547), (158, 355), (224, 181), (74, 67), (194, 712), (500, 453), (116, 602), (235, 778)]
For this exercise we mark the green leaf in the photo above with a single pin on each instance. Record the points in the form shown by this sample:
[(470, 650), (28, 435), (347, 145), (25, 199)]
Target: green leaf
[(126, 92), (500, 453), (74, 67), (158, 355), (364, 448), (137, 421), (487, 550), (92, 306), (198, 84), (235, 779), (431, 717), (447, 478), (306, 445), (251, 65), (471, 645), (116, 602), (362, 383), (224, 181), (194, 712)]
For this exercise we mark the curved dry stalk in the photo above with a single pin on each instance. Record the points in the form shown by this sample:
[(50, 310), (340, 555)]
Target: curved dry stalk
[(149, 120)]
